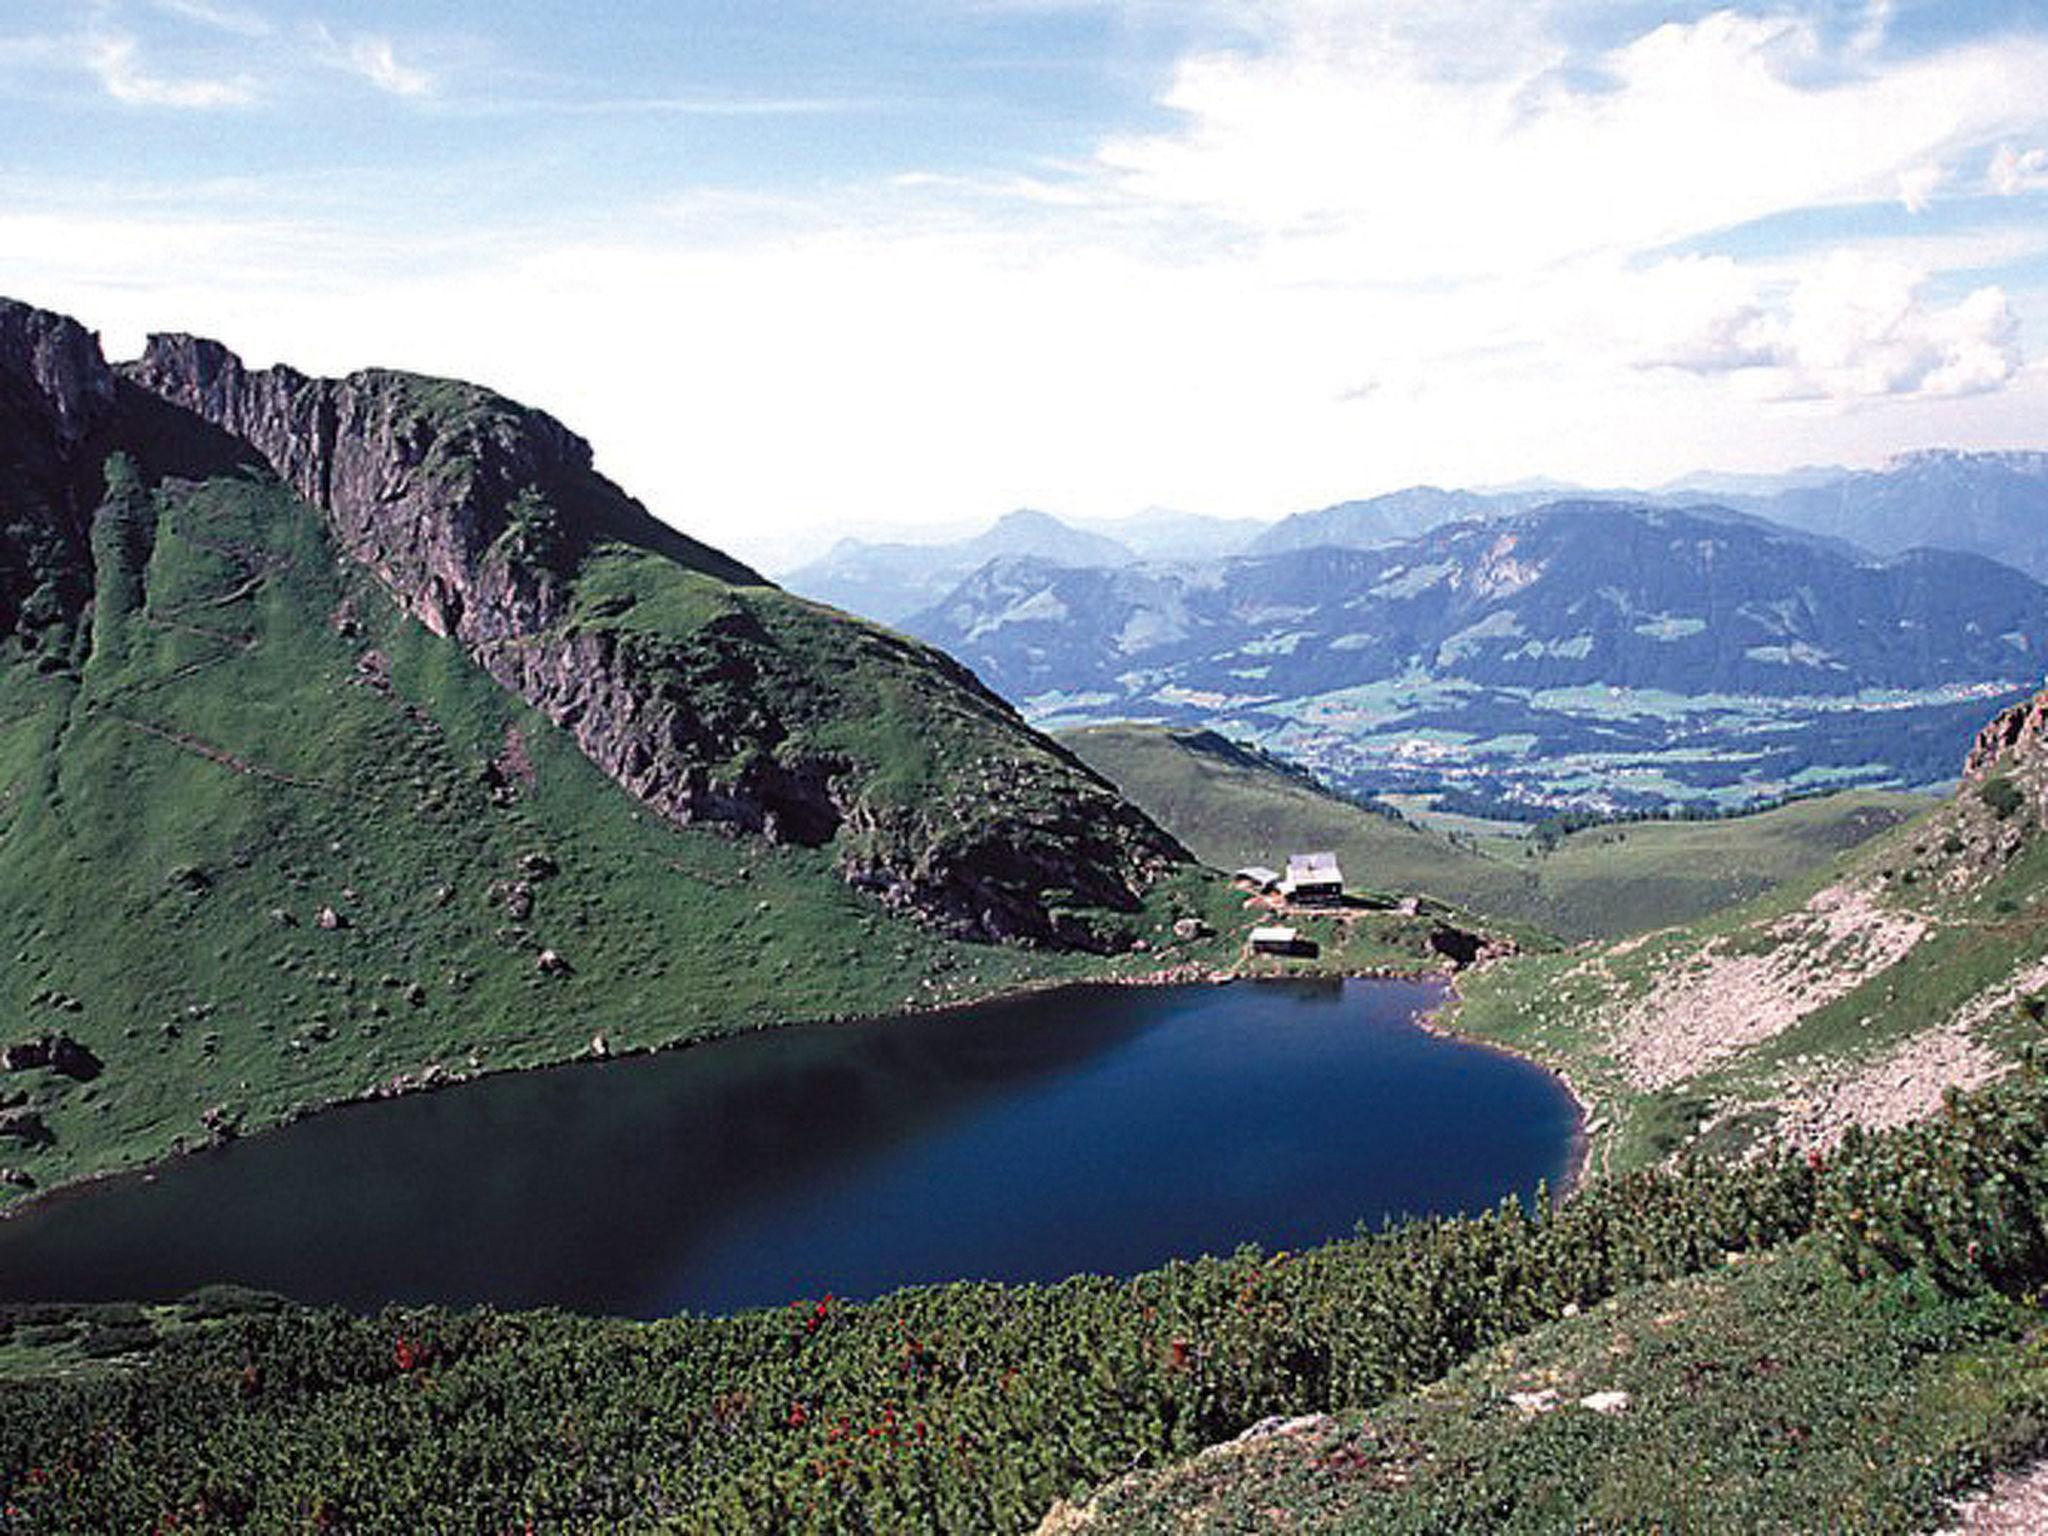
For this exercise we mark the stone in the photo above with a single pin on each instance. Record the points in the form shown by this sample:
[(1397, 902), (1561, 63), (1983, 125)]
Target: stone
[(551, 964), (59, 1052), (26, 1126), (73, 1060), (331, 920), (25, 1055)]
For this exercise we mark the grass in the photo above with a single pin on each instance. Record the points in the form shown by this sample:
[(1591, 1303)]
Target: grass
[(1233, 808)]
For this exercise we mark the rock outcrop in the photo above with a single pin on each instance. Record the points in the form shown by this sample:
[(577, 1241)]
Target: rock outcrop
[(2020, 732), (55, 393), (467, 506), (52, 371), (2002, 801)]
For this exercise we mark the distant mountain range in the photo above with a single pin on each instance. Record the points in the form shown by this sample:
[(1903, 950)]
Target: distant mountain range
[(1991, 504), (889, 581), (1387, 519), (1584, 652), (1160, 533)]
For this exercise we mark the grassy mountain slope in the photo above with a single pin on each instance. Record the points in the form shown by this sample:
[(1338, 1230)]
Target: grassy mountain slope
[(706, 693), (1235, 807), (1854, 994)]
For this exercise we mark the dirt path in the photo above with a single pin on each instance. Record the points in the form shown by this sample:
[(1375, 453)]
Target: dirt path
[(221, 755)]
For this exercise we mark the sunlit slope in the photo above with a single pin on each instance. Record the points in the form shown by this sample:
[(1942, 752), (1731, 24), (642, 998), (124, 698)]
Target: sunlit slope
[(1855, 994), (1235, 807)]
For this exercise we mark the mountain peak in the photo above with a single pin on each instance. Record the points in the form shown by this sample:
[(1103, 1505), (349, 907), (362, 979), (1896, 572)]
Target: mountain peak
[(1030, 519), (1028, 531), (51, 366)]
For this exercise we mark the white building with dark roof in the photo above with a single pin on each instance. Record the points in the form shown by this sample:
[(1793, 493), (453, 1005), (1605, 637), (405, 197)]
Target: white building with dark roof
[(1313, 878)]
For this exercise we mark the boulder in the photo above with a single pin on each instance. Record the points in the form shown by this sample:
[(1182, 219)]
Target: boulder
[(59, 1052), (74, 1060), (26, 1126), (24, 1055)]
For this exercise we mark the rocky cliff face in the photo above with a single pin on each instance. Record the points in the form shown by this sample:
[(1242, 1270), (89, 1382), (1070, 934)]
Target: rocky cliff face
[(702, 690), (425, 482), (51, 370), (2001, 803), (55, 392), (2017, 737)]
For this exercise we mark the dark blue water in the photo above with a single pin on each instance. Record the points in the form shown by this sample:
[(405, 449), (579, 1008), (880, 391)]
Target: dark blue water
[(1093, 1128)]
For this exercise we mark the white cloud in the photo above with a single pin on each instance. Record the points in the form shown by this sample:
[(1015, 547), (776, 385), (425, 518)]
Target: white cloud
[(115, 60), (1850, 327), (2014, 170), (1388, 244), (1876, 28), (375, 59), (1918, 184), (1359, 130)]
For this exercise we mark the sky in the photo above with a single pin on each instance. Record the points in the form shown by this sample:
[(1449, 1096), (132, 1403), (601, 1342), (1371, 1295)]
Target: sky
[(825, 267)]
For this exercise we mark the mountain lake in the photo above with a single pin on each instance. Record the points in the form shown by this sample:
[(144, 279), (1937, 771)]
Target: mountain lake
[(1088, 1128)]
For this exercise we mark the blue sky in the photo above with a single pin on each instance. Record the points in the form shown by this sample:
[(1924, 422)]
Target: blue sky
[(804, 268)]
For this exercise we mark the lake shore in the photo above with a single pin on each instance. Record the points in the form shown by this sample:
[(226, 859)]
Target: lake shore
[(435, 1078), (1087, 1117)]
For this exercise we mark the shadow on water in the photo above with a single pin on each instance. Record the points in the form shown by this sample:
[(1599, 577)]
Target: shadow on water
[(1097, 1128)]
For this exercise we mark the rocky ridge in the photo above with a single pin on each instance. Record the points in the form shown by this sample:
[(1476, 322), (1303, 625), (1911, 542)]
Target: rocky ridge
[(55, 392)]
